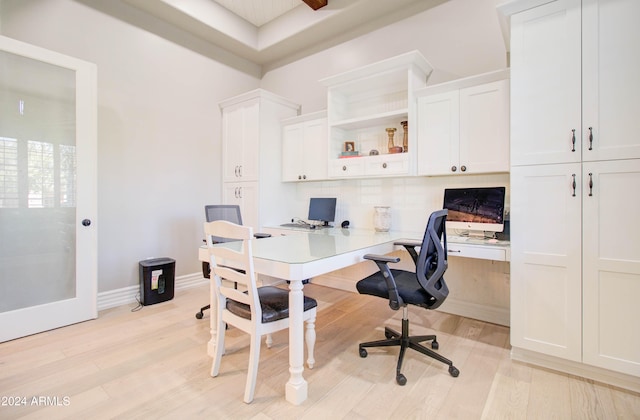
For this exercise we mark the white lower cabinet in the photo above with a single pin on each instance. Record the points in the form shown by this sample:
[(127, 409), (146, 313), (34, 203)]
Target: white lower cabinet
[(575, 263), (245, 195), (611, 265), (546, 267)]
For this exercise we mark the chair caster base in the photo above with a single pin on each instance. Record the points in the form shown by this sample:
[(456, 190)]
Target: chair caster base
[(363, 353), (199, 315), (401, 379), (453, 371)]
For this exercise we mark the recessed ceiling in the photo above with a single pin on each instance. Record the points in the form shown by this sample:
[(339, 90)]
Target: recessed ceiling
[(259, 12), (271, 33)]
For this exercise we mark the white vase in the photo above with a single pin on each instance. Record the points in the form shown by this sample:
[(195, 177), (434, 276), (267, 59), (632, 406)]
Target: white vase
[(382, 218)]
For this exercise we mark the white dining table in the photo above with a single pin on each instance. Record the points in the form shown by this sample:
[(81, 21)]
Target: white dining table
[(302, 255)]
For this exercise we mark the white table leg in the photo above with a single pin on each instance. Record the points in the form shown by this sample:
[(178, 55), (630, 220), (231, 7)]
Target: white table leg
[(296, 388)]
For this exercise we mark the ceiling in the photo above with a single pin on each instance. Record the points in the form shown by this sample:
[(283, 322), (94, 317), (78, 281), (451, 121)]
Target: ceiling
[(259, 12), (271, 33)]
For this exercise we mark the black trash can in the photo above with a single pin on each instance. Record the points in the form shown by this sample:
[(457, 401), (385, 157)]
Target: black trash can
[(157, 279)]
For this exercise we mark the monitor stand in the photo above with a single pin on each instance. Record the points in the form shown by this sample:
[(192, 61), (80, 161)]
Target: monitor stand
[(480, 234)]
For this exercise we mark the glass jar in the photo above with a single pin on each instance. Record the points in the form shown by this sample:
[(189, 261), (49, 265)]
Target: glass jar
[(382, 218)]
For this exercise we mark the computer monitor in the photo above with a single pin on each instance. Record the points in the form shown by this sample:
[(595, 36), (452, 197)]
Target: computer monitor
[(322, 209), (477, 210)]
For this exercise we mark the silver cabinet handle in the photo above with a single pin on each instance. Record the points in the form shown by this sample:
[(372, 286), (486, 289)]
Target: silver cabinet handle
[(454, 168), (384, 165), (463, 168)]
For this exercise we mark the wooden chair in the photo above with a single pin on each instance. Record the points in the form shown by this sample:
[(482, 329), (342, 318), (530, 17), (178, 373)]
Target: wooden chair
[(258, 310)]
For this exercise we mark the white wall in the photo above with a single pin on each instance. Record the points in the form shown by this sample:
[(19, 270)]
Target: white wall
[(158, 130)]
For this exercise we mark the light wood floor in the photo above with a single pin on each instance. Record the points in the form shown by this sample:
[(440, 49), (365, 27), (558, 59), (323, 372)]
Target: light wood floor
[(153, 364)]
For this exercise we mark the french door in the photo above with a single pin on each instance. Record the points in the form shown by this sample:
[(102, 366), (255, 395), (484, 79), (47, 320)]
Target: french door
[(48, 206)]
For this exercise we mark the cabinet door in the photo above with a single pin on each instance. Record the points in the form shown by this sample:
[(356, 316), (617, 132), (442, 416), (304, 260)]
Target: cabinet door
[(232, 122), (244, 194), (315, 150), (438, 134), (611, 86), (304, 151), (611, 276), (484, 128), (292, 152), (240, 141), (545, 84), (546, 284)]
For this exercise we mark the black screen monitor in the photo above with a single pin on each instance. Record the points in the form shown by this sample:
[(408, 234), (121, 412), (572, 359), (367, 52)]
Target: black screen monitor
[(475, 209), (322, 209)]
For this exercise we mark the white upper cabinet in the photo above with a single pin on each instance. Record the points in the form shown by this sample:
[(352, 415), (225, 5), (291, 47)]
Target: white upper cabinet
[(574, 80), (463, 126), (304, 148), (240, 125), (610, 81), (362, 104)]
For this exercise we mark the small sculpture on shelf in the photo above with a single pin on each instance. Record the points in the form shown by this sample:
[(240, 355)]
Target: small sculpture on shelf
[(392, 147), (405, 139)]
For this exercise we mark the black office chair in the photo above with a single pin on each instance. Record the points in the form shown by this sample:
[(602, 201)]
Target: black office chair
[(426, 288), (230, 213)]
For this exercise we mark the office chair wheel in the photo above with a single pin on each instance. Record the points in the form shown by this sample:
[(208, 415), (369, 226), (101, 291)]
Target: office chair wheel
[(388, 335), (453, 371), (363, 353), (435, 345), (199, 315), (401, 379)]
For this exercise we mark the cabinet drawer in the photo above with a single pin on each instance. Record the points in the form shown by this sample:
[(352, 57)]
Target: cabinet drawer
[(481, 252), (346, 168), (387, 165)]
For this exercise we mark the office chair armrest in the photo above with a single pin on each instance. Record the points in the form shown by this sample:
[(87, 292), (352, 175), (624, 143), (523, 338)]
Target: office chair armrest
[(410, 246), (381, 258), (261, 235), (382, 261)]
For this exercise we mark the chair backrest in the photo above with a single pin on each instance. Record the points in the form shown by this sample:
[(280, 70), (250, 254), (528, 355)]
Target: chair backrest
[(228, 212), (233, 262), (432, 260)]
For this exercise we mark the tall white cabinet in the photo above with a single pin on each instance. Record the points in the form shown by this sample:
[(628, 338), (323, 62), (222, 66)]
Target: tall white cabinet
[(575, 186), (252, 156)]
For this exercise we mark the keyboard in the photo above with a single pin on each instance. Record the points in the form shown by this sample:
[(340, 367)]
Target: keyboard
[(293, 225), (296, 225)]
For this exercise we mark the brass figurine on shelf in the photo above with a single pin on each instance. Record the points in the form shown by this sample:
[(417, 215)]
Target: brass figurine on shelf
[(392, 147), (405, 139)]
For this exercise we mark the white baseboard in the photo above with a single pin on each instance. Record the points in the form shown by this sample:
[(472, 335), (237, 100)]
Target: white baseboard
[(617, 379), (130, 294)]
